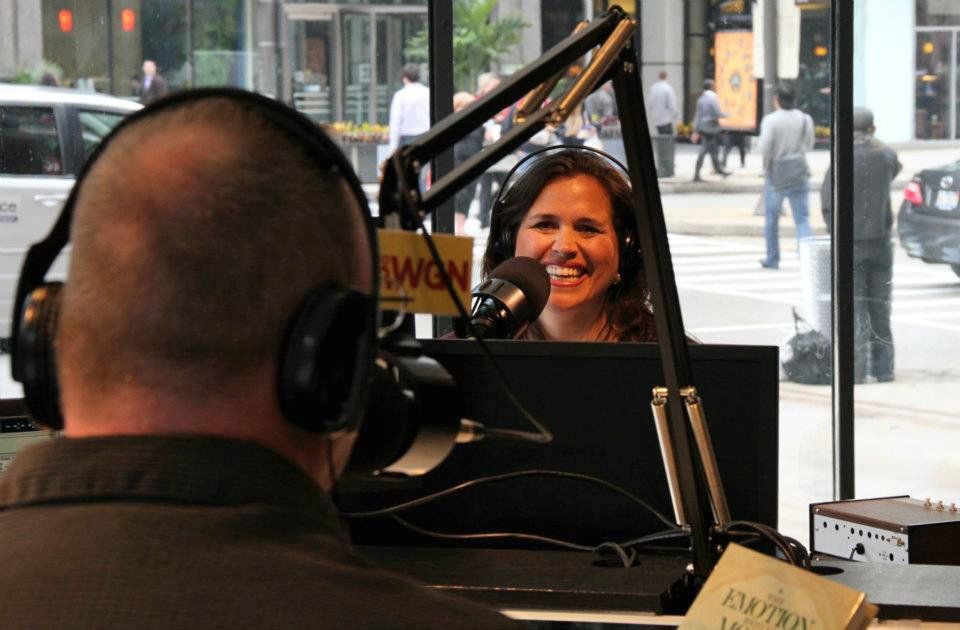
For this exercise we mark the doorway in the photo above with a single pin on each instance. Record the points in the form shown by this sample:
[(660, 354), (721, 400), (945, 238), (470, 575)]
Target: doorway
[(342, 63)]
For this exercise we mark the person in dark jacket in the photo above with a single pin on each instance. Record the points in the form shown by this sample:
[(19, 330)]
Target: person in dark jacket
[(470, 145), (152, 86), (185, 492), (706, 126), (875, 165)]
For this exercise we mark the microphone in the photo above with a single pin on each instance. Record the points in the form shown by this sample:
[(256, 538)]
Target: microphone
[(509, 300), (412, 420)]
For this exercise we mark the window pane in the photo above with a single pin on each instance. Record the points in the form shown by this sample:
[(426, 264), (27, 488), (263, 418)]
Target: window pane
[(934, 70), (906, 252), (717, 226), (28, 142), (94, 125)]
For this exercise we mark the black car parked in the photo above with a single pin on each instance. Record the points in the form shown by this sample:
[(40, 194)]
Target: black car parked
[(929, 218)]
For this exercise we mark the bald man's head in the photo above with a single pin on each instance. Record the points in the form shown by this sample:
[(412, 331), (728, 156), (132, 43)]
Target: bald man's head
[(196, 234)]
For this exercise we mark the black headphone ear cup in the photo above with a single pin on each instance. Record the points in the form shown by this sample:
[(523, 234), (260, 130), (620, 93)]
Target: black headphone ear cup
[(629, 256), (36, 341), (324, 355)]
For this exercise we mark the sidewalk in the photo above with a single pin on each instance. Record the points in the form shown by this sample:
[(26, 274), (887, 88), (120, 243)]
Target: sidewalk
[(714, 214)]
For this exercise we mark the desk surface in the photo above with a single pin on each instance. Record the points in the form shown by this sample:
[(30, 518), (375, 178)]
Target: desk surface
[(557, 580)]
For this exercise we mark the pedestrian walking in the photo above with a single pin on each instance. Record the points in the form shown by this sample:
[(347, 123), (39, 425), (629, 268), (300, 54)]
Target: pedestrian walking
[(706, 127), (875, 165), (409, 109), (410, 112), (786, 135)]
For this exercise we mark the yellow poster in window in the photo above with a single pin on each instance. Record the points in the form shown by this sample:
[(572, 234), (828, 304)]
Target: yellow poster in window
[(736, 85)]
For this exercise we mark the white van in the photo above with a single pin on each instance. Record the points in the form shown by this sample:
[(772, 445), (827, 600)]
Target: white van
[(46, 134)]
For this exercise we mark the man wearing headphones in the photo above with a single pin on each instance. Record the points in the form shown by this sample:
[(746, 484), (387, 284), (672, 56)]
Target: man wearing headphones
[(190, 487)]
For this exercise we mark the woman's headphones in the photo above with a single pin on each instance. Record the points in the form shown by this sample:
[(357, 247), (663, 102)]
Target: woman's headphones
[(330, 340), (504, 240)]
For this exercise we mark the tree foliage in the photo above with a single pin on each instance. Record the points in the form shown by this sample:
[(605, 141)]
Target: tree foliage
[(478, 41)]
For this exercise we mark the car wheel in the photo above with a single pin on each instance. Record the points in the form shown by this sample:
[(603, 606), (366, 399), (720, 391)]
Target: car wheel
[(956, 269)]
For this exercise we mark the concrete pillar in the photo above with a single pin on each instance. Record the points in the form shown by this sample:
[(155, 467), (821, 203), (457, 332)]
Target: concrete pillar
[(884, 65), (530, 46), (265, 33), (661, 25), (21, 42)]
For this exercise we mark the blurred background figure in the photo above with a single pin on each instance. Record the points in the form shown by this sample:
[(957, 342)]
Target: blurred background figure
[(409, 109), (471, 144), (49, 79), (662, 103), (734, 140), (410, 113), (152, 86), (601, 106), (706, 125), (663, 113), (494, 176)]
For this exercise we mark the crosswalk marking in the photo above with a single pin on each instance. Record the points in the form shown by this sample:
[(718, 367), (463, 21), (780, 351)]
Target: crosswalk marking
[(927, 295)]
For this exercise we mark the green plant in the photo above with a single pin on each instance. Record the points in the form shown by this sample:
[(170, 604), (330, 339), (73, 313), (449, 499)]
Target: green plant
[(35, 72), (478, 41)]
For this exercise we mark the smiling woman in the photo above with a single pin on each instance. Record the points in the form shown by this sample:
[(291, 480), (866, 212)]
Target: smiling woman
[(572, 209)]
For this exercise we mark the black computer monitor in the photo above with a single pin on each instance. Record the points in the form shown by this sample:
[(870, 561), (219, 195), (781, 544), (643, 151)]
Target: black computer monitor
[(595, 398)]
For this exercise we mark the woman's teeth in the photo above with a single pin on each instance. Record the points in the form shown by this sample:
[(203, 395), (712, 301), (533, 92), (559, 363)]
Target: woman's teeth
[(556, 271)]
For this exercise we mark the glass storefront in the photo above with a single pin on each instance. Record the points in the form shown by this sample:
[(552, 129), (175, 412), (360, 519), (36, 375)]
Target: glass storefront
[(937, 102), (342, 62)]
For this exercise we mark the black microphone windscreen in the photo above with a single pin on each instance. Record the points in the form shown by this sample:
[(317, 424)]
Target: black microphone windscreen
[(528, 275)]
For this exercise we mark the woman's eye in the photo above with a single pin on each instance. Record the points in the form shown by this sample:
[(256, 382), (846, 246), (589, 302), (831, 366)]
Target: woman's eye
[(543, 225), (590, 229)]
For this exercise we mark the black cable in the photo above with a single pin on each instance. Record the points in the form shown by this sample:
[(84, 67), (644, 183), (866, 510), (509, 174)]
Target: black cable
[(763, 531), (795, 553), (668, 534), (492, 535), (623, 551), (504, 477)]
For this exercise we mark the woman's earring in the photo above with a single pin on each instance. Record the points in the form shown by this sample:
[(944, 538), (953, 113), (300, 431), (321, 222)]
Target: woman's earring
[(618, 278)]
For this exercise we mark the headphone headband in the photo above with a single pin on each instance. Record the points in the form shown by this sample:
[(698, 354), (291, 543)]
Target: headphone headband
[(533, 156)]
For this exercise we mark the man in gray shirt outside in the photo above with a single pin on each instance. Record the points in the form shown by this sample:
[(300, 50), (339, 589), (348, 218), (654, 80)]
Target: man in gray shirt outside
[(662, 113), (662, 105), (706, 125), (786, 135)]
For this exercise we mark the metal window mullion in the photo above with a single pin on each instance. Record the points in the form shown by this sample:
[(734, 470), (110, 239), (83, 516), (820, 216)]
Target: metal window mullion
[(841, 230), (952, 101), (440, 24), (440, 28)]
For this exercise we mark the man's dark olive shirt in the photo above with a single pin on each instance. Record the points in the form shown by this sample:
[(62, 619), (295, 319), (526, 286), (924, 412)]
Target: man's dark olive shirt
[(150, 532)]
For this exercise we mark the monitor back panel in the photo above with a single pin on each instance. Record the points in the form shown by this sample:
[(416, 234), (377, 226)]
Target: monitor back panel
[(595, 398)]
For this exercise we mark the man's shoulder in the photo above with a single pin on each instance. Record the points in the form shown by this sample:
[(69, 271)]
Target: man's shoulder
[(428, 608)]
